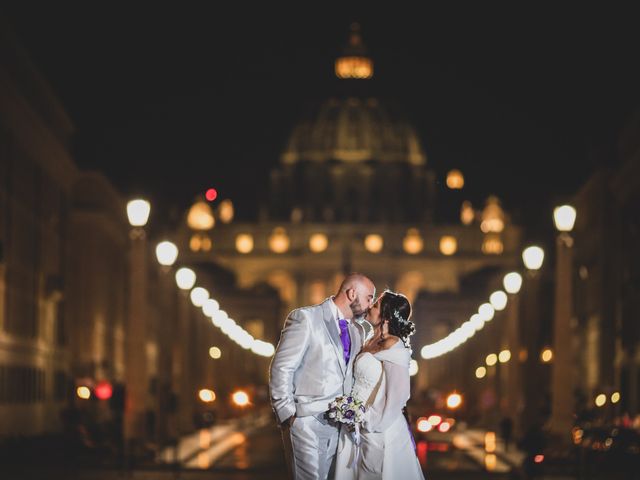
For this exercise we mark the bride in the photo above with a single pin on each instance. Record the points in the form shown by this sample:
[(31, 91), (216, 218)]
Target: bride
[(381, 380)]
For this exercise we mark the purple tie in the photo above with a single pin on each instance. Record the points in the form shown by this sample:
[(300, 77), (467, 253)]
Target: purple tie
[(345, 338)]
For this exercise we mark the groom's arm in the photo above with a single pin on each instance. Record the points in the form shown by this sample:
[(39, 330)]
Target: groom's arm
[(289, 353)]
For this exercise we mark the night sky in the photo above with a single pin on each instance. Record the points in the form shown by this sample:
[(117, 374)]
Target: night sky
[(168, 101)]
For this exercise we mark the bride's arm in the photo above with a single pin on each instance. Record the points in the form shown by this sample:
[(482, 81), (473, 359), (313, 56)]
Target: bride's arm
[(386, 408)]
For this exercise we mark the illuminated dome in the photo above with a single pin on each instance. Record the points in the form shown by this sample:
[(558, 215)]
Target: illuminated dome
[(354, 130)]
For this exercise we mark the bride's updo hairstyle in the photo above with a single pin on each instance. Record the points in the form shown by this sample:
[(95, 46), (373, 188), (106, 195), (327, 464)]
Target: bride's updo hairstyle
[(396, 308)]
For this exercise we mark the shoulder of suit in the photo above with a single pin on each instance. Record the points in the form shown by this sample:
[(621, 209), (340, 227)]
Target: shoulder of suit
[(304, 311)]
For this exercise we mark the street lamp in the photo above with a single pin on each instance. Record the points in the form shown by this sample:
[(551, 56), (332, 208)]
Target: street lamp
[(512, 282), (198, 296), (166, 253), (185, 278), (498, 300), (533, 257), (138, 212), (564, 218)]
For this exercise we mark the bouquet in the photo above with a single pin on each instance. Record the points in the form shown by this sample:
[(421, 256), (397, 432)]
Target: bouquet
[(348, 410)]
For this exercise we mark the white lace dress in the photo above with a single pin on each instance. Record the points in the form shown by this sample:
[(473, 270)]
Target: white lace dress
[(386, 448)]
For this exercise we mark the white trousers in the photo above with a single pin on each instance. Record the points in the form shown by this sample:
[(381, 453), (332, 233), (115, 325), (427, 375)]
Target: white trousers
[(310, 446)]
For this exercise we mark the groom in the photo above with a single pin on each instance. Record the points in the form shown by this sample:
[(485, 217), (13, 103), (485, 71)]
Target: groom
[(312, 365)]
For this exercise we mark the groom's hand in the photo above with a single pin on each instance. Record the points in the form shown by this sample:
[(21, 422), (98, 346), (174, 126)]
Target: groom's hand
[(289, 421)]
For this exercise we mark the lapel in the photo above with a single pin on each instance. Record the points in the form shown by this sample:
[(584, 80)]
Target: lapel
[(334, 335)]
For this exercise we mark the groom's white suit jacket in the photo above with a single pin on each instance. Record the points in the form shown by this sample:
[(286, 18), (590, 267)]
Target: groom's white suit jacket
[(308, 369)]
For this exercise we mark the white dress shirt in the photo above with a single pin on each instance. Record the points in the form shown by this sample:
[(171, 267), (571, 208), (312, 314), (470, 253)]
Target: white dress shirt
[(337, 314)]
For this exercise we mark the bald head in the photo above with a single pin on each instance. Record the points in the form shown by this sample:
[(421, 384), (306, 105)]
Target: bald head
[(355, 295)]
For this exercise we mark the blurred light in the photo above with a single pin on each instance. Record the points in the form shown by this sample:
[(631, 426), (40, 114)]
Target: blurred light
[(481, 372), (476, 321), (444, 427), (138, 212), (185, 278), (200, 241), (615, 397), (354, 67), (103, 390), (523, 355), (83, 392), (538, 459), (423, 425), (200, 216), (455, 179), (318, 242), (492, 245), (413, 367), (226, 211), (373, 243), (547, 355), (491, 359), (454, 400), (486, 312), (512, 282), (448, 245), (166, 253), (577, 434), (490, 462), (412, 242), (210, 307), (498, 300), (205, 243), (240, 398), (490, 442), (215, 353), (244, 243), (564, 218), (533, 257), (198, 296), (492, 216), (466, 213), (434, 420), (504, 356), (211, 194), (601, 400), (279, 240), (206, 395)]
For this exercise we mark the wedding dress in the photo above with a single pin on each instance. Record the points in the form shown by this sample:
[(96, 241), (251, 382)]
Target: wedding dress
[(386, 451)]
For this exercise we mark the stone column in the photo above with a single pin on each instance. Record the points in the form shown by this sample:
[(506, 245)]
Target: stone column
[(564, 373)]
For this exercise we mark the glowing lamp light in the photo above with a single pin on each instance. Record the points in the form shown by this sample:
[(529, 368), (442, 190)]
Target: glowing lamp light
[(200, 216), (240, 398), (547, 355), (434, 420), (486, 312), (476, 321), (455, 179), (104, 390), (373, 243), (512, 282), (211, 194), (166, 253), (533, 257), (412, 242), (210, 307), (467, 214), (492, 216), (448, 245), (318, 242), (481, 372), (198, 296), (413, 367), (244, 243), (564, 218), (185, 278), (215, 353), (423, 425), (491, 359), (138, 212), (504, 356), (279, 240), (538, 458), (490, 462), (601, 400), (498, 300), (206, 395), (226, 211), (444, 427), (454, 400), (83, 392), (615, 397), (492, 245), (490, 442)]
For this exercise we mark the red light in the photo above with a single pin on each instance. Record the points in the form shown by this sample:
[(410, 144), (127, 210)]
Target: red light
[(211, 194), (421, 451), (538, 458), (104, 390), (444, 427)]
